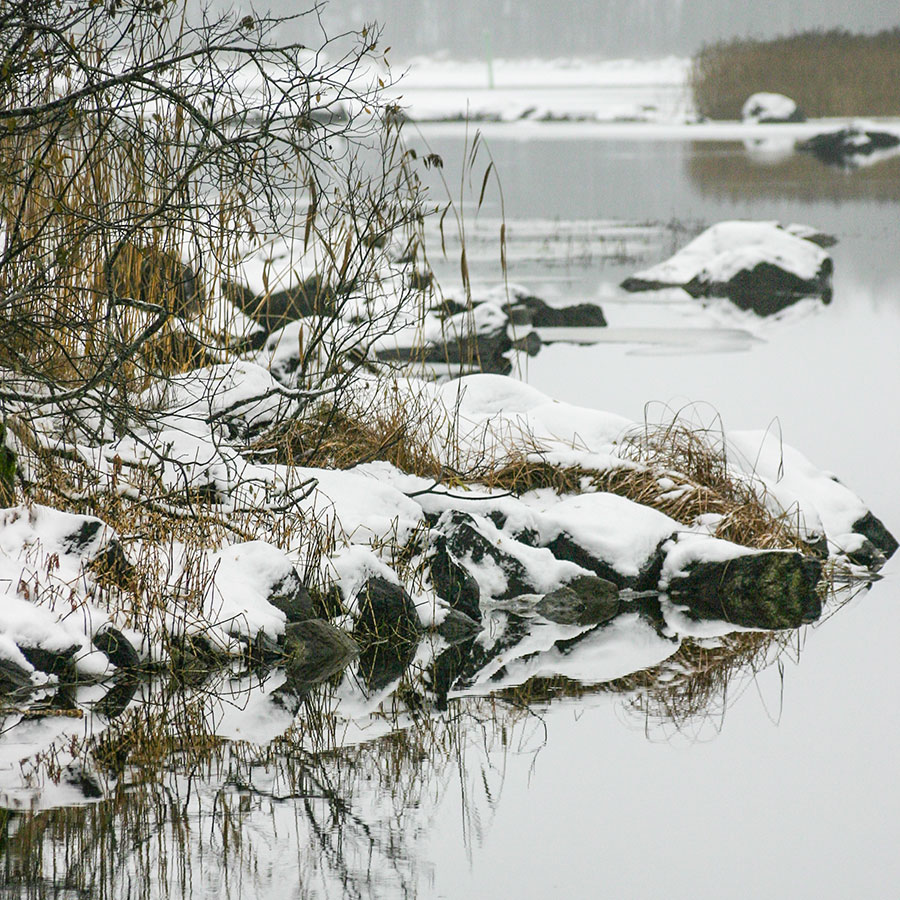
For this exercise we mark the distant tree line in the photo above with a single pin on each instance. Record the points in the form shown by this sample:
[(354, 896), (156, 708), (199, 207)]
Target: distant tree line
[(828, 73)]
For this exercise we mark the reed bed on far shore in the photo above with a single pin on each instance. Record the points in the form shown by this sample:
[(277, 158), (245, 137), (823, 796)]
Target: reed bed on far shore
[(827, 73)]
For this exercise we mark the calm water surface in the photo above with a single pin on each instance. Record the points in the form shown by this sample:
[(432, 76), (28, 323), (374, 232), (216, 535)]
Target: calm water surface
[(789, 790)]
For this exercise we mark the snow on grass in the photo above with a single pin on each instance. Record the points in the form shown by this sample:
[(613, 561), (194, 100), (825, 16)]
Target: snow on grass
[(793, 483)]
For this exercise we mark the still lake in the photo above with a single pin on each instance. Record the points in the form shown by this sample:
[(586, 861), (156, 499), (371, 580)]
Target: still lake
[(789, 788), (783, 785)]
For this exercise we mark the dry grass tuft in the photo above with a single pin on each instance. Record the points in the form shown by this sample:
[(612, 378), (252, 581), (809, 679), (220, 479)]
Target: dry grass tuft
[(678, 469), (397, 428)]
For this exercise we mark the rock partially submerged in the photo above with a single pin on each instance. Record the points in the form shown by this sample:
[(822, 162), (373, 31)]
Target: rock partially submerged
[(848, 148), (586, 600), (773, 590), (757, 265), (385, 611), (314, 651), (767, 107)]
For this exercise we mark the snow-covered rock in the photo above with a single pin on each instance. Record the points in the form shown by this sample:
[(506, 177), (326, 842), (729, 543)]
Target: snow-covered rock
[(768, 107), (758, 265)]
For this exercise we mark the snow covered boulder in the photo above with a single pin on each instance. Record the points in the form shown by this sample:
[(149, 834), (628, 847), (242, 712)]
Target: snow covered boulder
[(757, 265), (853, 146), (825, 508), (716, 579), (613, 537), (765, 107), (256, 589), (503, 567)]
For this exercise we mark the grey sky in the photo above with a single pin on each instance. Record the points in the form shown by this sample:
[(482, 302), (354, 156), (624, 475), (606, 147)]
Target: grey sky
[(608, 28)]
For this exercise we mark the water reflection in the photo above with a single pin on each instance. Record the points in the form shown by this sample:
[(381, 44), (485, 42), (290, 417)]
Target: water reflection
[(338, 802), (727, 170)]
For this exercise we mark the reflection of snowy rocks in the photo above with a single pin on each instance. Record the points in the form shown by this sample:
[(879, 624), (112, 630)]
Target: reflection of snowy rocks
[(767, 107), (856, 145), (757, 265)]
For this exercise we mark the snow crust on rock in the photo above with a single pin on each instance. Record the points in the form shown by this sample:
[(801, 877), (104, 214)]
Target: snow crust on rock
[(616, 530), (768, 107), (727, 248), (244, 577), (689, 549)]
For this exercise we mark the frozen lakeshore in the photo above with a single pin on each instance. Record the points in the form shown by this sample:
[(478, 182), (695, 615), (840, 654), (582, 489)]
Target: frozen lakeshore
[(536, 642)]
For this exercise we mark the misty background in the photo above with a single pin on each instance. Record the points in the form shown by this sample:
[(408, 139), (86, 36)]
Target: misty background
[(569, 28)]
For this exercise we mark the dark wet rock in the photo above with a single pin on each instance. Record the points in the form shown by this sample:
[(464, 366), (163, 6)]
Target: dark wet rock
[(117, 648), (587, 600), (53, 662), (452, 583), (289, 594), (157, 276), (78, 776), (13, 677), (7, 471), (195, 658), (328, 602), (817, 545), (867, 555), (116, 700), (466, 542), (441, 676), (564, 546), (766, 288), (581, 315), (111, 566), (314, 651), (529, 343), (872, 528), (84, 536), (449, 307), (312, 297), (845, 147), (775, 590), (263, 650), (419, 281), (385, 611), (813, 235), (457, 626), (484, 351)]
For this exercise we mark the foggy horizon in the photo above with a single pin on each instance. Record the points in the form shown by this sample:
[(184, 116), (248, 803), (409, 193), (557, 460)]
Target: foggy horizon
[(580, 28)]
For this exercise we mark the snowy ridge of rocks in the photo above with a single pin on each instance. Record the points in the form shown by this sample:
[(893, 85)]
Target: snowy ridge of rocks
[(492, 547)]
